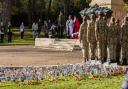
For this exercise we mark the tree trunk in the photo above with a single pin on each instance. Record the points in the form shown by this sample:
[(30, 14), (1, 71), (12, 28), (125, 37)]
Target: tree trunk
[(66, 7), (6, 13), (49, 9), (29, 13), (34, 13)]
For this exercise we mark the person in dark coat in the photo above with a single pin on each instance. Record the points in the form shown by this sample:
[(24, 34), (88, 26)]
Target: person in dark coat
[(39, 28), (9, 31), (61, 24), (2, 31)]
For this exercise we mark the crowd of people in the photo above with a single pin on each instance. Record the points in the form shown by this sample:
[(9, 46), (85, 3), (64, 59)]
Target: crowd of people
[(30, 73), (4, 32), (104, 41), (63, 28), (60, 28), (36, 29), (99, 39)]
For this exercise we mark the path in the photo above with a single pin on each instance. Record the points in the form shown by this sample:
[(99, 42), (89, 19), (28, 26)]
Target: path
[(29, 56)]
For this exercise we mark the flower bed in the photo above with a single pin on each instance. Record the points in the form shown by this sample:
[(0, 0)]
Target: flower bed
[(91, 69)]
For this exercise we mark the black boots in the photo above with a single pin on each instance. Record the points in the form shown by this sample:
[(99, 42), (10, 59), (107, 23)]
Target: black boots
[(124, 62), (113, 61), (84, 60)]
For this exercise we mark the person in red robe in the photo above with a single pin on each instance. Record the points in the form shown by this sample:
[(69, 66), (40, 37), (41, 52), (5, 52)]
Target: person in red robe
[(76, 28)]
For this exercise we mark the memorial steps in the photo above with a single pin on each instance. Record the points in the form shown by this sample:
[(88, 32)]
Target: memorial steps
[(57, 44)]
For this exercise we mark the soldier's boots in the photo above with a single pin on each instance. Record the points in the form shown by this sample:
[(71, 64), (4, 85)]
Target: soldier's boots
[(113, 61), (118, 60), (103, 60), (92, 58), (84, 60), (124, 62)]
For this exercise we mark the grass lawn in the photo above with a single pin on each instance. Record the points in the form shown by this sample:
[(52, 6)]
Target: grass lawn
[(71, 83), (24, 41), (19, 41), (28, 39)]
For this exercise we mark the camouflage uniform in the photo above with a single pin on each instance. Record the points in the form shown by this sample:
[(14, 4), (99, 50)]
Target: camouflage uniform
[(105, 42), (112, 42), (118, 47), (124, 42), (91, 38), (101, 37), (83, 39)]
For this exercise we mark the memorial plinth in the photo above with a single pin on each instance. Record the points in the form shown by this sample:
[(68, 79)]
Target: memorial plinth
[(117, 7), (57, 44)]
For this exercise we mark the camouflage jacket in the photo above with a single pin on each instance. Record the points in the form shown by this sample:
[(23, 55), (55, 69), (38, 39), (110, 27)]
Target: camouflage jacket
[(83, 31), (124, 33), (101, 29), (91, 35)]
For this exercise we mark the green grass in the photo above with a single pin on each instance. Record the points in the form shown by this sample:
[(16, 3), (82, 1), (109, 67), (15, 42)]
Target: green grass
[(28, 39), (27, 32), (24, 41), (70, 83), (19, 41)]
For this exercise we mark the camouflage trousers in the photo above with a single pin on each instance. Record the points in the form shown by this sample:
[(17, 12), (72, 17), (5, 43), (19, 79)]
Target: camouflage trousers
[(92, 50), (124, 52), (85, 49), (112, 52), (118, 51), (102, 50)]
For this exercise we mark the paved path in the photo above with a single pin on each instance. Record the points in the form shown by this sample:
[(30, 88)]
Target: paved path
[(31, 56)]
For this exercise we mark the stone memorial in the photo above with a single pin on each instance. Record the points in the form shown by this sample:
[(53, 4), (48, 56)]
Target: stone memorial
[(117, 7)]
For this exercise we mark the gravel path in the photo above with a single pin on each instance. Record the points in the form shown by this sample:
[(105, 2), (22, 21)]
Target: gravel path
[(31, 56)]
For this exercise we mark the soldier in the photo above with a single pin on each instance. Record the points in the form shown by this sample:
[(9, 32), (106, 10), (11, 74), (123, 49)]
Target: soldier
[(83, 39), (124, 42), (101, 36), (112, 41), (106, 27), (91, 39), (118, 47)]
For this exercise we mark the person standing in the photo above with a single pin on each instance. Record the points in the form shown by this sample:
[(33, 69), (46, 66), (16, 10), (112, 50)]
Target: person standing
[(76, 28), (91, 38), (22, 30), (45, 29), (83, 39), (105, 40), (9, 32), (61, 25), (2, 32), (69, 27), (39, 28), (118, 47), (34, 29), (112, 41), (124, 42), (101, 36)]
